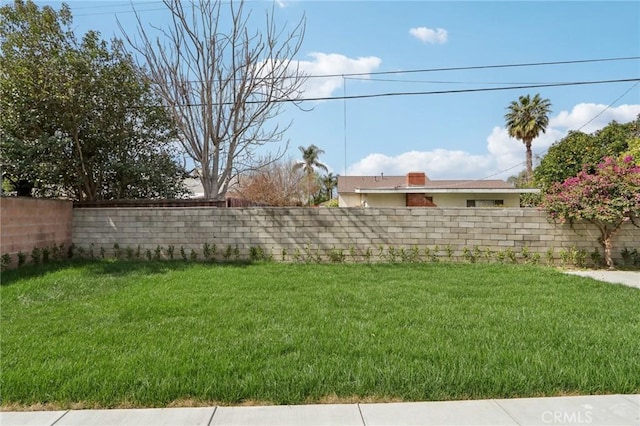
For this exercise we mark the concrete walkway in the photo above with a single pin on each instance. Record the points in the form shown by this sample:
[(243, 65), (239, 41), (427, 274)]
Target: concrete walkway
[(609, 410), (630, 278)]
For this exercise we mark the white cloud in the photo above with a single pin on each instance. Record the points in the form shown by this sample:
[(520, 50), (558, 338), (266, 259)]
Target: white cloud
[(505, 156), (438, 164), (428, 35), (333, 64), (582, 113), (509, 153)]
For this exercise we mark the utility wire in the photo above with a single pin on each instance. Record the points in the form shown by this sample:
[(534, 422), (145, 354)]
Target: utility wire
[(608, 106), (546, 149), (115, 4), (437, 92), (392, 80), (541, 152), (120, 12), (364, 75), (479, 67)]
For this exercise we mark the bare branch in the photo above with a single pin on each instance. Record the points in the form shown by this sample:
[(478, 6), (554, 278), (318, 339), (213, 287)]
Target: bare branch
[(223, 82)]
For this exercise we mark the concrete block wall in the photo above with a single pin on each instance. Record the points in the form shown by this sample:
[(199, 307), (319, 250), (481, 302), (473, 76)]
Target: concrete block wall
[(301, 231), (26, 223)]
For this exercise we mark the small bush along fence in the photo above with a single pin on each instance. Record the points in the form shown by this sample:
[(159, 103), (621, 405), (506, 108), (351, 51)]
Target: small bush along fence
[(572, 257)]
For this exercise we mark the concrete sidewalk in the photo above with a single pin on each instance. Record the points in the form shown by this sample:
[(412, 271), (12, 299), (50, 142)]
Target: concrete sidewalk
[(629, 278), (609, 410)]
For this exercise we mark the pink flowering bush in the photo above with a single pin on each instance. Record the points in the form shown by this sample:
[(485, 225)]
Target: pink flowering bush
[(607, 198)]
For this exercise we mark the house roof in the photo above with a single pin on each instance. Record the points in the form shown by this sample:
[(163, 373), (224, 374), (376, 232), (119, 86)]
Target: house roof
[(394, 184)]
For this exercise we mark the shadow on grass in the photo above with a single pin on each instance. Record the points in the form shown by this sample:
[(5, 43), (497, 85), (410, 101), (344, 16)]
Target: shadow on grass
[(110, 267)]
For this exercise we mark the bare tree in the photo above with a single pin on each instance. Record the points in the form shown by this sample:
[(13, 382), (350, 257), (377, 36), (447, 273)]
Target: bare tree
[(222, 81), (279, 184)]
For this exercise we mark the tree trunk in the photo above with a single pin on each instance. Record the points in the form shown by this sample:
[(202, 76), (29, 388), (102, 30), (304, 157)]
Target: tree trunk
[(606, 243), (527, 144), (209, 187)]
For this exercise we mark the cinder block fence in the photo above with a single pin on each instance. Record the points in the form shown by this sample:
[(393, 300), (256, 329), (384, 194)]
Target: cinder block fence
[(288, 233), (293, 233)]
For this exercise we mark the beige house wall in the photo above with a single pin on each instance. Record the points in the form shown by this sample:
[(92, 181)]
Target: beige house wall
[(441, 200), (371, 200), (349, 200), (460, 200)]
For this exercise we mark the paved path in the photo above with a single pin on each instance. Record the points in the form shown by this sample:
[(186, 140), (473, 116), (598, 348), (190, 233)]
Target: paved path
[(605, 410), (630, 278)]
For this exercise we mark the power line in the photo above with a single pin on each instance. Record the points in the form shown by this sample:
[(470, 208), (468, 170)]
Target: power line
[(115, 4), (486, 89), (578, 129), (115, 12), (541, 152), (479, 67), (436, 92), (608, 106), (393, 80), (363, 75)]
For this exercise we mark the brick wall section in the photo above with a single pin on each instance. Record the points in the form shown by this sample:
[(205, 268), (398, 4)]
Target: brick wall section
[(26, 223), (419, 200), (321, 230), (416, 179)]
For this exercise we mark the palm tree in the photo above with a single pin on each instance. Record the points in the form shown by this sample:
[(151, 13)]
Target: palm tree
[(330, 181), (525, 120), (309, 163)]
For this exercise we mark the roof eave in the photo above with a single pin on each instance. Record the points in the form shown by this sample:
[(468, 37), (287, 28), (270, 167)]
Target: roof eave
[(446, 191)]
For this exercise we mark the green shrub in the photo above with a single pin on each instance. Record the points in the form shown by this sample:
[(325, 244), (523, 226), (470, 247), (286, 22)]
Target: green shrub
[(550, 256), (36, 256), (468, 255), (5, 261), (367, 255), (207, 252), (535, 259), (630, 258), (22, 258), (227, 252), (488, 254), (449, 252), (336, 255), (46, 254), (256, 253), (71, 250)]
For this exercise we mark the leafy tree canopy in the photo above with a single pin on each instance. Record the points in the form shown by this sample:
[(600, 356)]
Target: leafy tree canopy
[(78, 117), (568, 156), (606, 197)]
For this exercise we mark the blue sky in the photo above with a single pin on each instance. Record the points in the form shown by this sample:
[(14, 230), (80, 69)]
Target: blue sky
[(448, 136)]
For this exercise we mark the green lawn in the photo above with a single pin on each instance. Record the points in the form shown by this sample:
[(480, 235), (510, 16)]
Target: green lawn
[(107, 334)]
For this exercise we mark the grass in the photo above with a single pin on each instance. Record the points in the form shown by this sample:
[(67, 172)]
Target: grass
[(149, 334)]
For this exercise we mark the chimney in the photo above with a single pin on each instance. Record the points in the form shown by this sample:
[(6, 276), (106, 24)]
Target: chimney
[(416, 179)]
